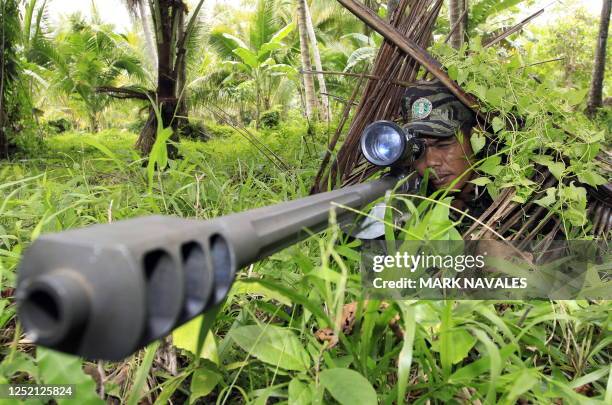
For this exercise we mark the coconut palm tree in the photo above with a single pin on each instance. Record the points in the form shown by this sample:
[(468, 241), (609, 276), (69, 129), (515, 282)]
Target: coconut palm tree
[(599, 67), (309, 88), (316, 55), (89, 56), (456, 13), (252, 55), (172, 31)]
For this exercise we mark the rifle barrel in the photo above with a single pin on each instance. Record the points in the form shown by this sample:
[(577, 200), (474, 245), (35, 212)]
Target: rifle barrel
[(104, 291)]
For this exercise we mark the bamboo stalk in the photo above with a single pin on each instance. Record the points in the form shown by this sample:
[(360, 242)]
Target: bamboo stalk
[(512, 30)]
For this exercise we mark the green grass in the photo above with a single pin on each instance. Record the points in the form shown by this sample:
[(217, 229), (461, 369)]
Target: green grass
[(262, 348)]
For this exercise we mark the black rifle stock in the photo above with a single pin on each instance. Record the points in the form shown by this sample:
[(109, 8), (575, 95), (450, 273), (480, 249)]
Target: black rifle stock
[(105, 291)]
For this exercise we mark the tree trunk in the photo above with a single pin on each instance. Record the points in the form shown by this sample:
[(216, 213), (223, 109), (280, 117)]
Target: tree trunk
[(183, 108), (166, 76), (596, 92), (325, 111), (94, 125), (3, 137), (455, 10), (464, 20), (311, 102), (257, 100)]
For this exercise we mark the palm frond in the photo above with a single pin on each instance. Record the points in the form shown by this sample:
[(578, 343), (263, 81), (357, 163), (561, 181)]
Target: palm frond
[(223, 43), (265, 23), (484, 9), (364, 54)]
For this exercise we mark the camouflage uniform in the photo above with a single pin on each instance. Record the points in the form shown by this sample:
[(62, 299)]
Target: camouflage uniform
[(430, 109)]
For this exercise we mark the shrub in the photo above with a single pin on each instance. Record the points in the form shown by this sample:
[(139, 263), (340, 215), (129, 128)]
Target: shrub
[(59, 126), (219, 130), (271, 118), (195, 131)]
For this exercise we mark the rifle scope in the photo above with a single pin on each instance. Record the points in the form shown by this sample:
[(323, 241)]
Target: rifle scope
[(104, 291), (384, 143)]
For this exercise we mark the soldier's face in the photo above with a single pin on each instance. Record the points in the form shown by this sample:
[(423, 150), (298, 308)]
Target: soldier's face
[(447, 159)]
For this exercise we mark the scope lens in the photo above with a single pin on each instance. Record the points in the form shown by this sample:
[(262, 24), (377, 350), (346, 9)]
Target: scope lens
[(383, 143)]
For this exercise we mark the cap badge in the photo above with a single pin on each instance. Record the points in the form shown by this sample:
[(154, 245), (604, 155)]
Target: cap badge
[(421, 108)]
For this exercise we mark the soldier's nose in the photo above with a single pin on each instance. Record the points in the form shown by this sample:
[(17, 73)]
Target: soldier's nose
[(432, 160)]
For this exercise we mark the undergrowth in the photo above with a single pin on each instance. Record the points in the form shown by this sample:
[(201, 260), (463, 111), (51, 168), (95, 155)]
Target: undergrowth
[(265, 345)]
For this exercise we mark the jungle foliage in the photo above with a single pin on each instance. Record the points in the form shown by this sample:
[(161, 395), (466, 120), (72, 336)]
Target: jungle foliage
[(295, 328)]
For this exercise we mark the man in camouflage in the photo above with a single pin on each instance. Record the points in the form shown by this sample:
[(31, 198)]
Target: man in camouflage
[(445, 125), (433, 114)]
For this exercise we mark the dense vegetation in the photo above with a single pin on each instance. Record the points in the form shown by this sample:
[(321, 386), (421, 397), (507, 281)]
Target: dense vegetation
[(77, 98)]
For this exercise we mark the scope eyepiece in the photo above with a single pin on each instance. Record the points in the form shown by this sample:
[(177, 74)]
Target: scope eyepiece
[(384, 143)]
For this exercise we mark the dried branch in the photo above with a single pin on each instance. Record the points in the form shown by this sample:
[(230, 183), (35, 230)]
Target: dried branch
[(512, 30)]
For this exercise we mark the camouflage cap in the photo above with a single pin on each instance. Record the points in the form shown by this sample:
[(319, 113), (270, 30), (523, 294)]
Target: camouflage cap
[(430, 109)]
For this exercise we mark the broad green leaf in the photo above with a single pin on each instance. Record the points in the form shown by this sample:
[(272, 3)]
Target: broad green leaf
[(168, 388), (267, 62), (498, 124), (248, 57), (478, 141), (592, 178), (481, 181), (444, 341), (282, 33), (59, 368), (549, 199), (295, 297), (203, 382), (300, 393), (348, 387), (453, 72), (543, 160), (186, 337), (21, 362), (575, 97), (281, 68), (256, 288), (273, 345), (491, 165), (462, 76), (236, 40), (267, 48), (495, 96), (556, 168)]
